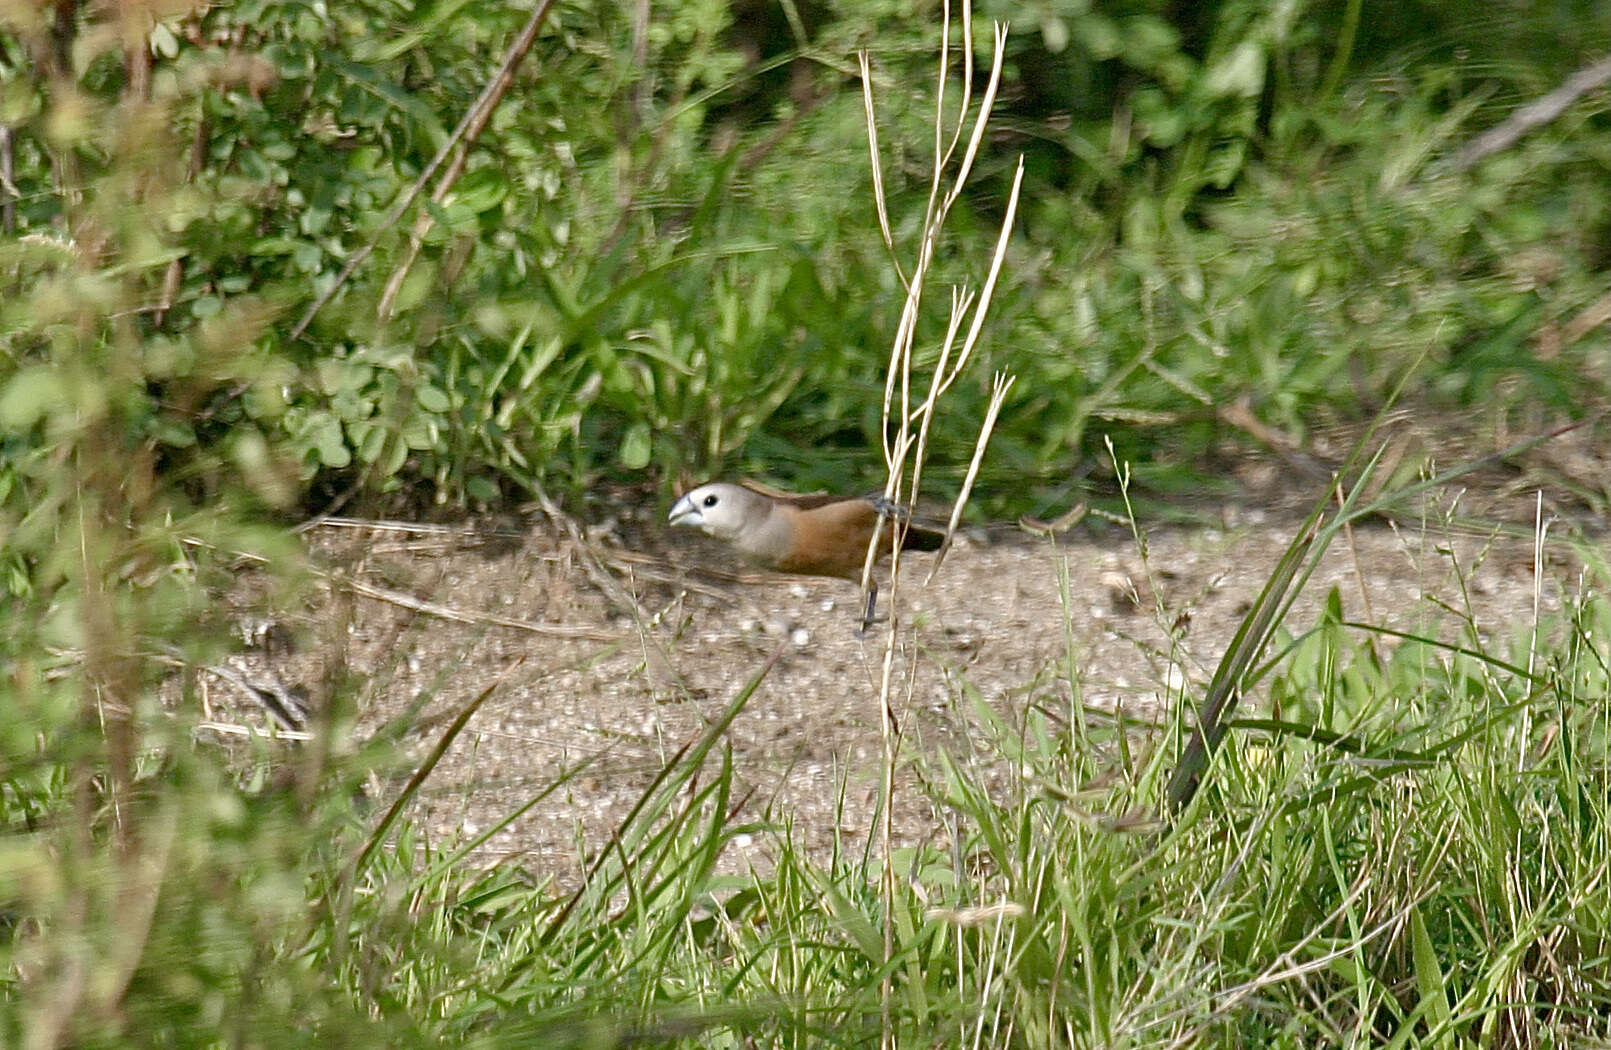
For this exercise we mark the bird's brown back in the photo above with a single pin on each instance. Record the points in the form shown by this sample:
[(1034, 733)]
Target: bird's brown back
[(798, 500), (831, 539)]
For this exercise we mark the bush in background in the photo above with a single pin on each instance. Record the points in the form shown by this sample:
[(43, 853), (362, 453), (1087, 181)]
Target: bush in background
[(662, 256)]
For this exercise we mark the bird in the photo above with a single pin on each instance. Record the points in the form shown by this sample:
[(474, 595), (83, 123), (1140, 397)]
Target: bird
[(812, 535)]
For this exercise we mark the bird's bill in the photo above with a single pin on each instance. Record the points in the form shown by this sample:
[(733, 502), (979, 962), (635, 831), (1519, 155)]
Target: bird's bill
[(683, 512)]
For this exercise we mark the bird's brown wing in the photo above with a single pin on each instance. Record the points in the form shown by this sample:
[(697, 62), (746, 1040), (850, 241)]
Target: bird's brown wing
[(799, 500), (830, 540)]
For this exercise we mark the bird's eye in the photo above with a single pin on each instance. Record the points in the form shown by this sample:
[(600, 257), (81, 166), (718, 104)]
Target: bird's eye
[(711, 500)]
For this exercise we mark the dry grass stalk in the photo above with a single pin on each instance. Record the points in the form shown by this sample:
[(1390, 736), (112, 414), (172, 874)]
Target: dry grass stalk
[(905, 428)]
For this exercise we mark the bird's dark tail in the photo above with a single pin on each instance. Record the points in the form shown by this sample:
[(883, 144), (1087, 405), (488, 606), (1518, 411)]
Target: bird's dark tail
[(919, 538)]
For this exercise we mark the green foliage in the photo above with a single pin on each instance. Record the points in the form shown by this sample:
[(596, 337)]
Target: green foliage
[(1397, 879), (661, 254)]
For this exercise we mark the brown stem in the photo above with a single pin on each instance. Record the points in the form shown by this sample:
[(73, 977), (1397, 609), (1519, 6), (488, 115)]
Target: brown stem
[(1535, 114)]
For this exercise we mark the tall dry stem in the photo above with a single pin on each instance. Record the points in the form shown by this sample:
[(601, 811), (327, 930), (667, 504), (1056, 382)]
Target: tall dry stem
[(906, 426)]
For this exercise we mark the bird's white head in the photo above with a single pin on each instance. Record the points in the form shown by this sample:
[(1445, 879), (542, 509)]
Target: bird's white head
[(719, 509)]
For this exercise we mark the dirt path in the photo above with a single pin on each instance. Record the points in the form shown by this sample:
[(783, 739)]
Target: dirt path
[(993, 627)]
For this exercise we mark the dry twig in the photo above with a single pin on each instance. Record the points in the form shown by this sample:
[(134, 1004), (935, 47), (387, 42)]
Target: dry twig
[(1534, 115)]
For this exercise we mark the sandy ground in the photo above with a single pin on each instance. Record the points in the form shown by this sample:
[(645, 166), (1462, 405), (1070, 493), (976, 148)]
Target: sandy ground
[(428, 617)]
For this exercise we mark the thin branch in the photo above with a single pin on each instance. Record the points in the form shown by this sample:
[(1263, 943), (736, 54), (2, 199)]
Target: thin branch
[(551, 630), (865, 62), (989, 289), (8, 186), (986, 104), (998, 396), (1534, 115)]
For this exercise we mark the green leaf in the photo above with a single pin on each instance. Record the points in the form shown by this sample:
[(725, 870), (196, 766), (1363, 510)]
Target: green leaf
[(31, 394), (432, 399), (327, 441), (369, 439), (163, 42), (1428, 972), (636, 446), (481, 190), (1239, 74), (174, 433)]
